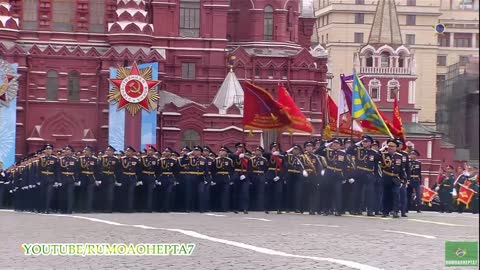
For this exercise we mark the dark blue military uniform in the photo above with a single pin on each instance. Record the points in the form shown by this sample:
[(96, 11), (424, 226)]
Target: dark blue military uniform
[(68, 176), (314, 168), (47, 169), (257, 167), (194, 175), (445, 192), (89, 181), (416, 180), (223, 171), (405, 181), (241, 182), (295, 166), (392, 175), (169, 168), (150, 173), (109, 173), (275, 177), (131, 169)]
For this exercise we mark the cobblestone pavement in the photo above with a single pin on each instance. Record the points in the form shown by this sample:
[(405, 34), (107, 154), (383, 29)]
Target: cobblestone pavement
[(229, 241)]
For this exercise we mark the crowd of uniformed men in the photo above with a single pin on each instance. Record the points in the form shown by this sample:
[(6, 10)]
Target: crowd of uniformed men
[(322, 177)]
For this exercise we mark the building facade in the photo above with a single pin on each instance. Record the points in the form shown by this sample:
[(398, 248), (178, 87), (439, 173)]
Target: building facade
[(343, 28), (65, 49)]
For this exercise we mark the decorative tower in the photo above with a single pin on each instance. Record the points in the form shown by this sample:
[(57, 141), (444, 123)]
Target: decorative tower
[(388, 66), (8, 24), (131, 25)]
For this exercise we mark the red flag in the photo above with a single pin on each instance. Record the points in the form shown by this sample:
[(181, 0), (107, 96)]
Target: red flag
[(465, 195), (261, 111), (299, 121), (428, 195), (397, 121)]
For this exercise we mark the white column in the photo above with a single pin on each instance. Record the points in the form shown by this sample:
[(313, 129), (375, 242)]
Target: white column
[(474, 40), (429, 149), (451, 39)]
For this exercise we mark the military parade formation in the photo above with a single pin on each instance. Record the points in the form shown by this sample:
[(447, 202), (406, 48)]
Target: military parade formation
[(321, 177)]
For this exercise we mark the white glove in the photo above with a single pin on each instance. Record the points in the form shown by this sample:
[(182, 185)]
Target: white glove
[(276, 153), (98, 183), (30, 186), (8, 182), (328, 144), (213, 183), (322, 173), (305, 173), (205, 182), (437, 188), (139, 183), (2, 174), (351, 180), (242, 155), (38, 183), (454, 193), (11, 191), (189, 153), (383, 148), (176, 183), (55, 184), (1, 182), (118, 184), (358, 143), (158, 183), (242, 177), (76, 184), (231, 183), (344, 181), (465, 173), (276, 178)]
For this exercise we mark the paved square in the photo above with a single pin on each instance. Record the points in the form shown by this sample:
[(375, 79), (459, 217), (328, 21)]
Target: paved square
[(230, 241)]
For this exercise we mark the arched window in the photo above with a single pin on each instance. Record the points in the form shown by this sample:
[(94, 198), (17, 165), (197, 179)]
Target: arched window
[(30, 14), (374, 89), (401, 60), (268, 23), (52, 85), (385, 59), (74, 86), (369, 59), (63, 15), (393, 88), (190, 138), (97, 16)]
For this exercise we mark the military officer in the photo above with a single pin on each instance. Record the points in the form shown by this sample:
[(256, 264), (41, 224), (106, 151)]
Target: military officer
[(89, 178), (223, 172), (405, 181), (169, 168), (315, 171), (130, 168), (48, 168), (257, 167), (296, 173), (68, 177), (445, 188), (392, 175), (240, 179), (195, 172), (150, 173), (366, 161), (416, 178), (275, 176), (378, 186), (109, 171), (336, 162), (205, 200)]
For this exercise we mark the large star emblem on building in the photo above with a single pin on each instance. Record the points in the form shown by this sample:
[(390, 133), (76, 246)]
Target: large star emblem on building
[(133, 89), (8, 84)]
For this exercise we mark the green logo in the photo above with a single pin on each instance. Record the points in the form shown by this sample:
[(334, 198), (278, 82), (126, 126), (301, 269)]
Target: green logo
[(461, 253)]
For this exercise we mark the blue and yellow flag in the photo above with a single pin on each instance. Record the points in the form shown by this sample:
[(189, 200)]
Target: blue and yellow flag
[(363, 107)]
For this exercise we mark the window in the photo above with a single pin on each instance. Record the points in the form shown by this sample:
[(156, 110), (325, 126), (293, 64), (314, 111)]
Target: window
[(284, 73), (440, 81), (441, 60), (462, 40), (410, 39), (411, 19), (271, 72), (30, 14), (257, 72), (385, 59), (358, 38), (188, 70), (190, 138), (393, 87), (401, 60), (52, 85), (268, 23), (444, 40), (369, 59), (359, 18), (463, 60), (190, 18), (360, 2), (374, 89), (73, 86), (63, 15), (96, 12), (411, 2)]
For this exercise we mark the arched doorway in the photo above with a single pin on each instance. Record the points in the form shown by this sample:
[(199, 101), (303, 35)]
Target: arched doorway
[(190, 138)]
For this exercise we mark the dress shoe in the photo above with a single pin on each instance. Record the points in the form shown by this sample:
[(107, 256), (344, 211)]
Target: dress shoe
[(404, 215), (266, 212), (395, 215), (338, 214), (370, 214), (245, 212), (279, 212)]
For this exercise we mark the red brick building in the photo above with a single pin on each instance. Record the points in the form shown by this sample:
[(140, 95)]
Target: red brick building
[(65, 48)]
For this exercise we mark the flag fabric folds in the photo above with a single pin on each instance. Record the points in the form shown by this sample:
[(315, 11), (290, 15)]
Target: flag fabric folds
[(299, 121), (261, 111), (465, 195), (397, 121), (428, 195), (363, 108)]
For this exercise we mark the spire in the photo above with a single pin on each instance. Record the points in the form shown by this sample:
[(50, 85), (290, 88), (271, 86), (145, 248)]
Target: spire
[(229, 94), (385, 27)]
